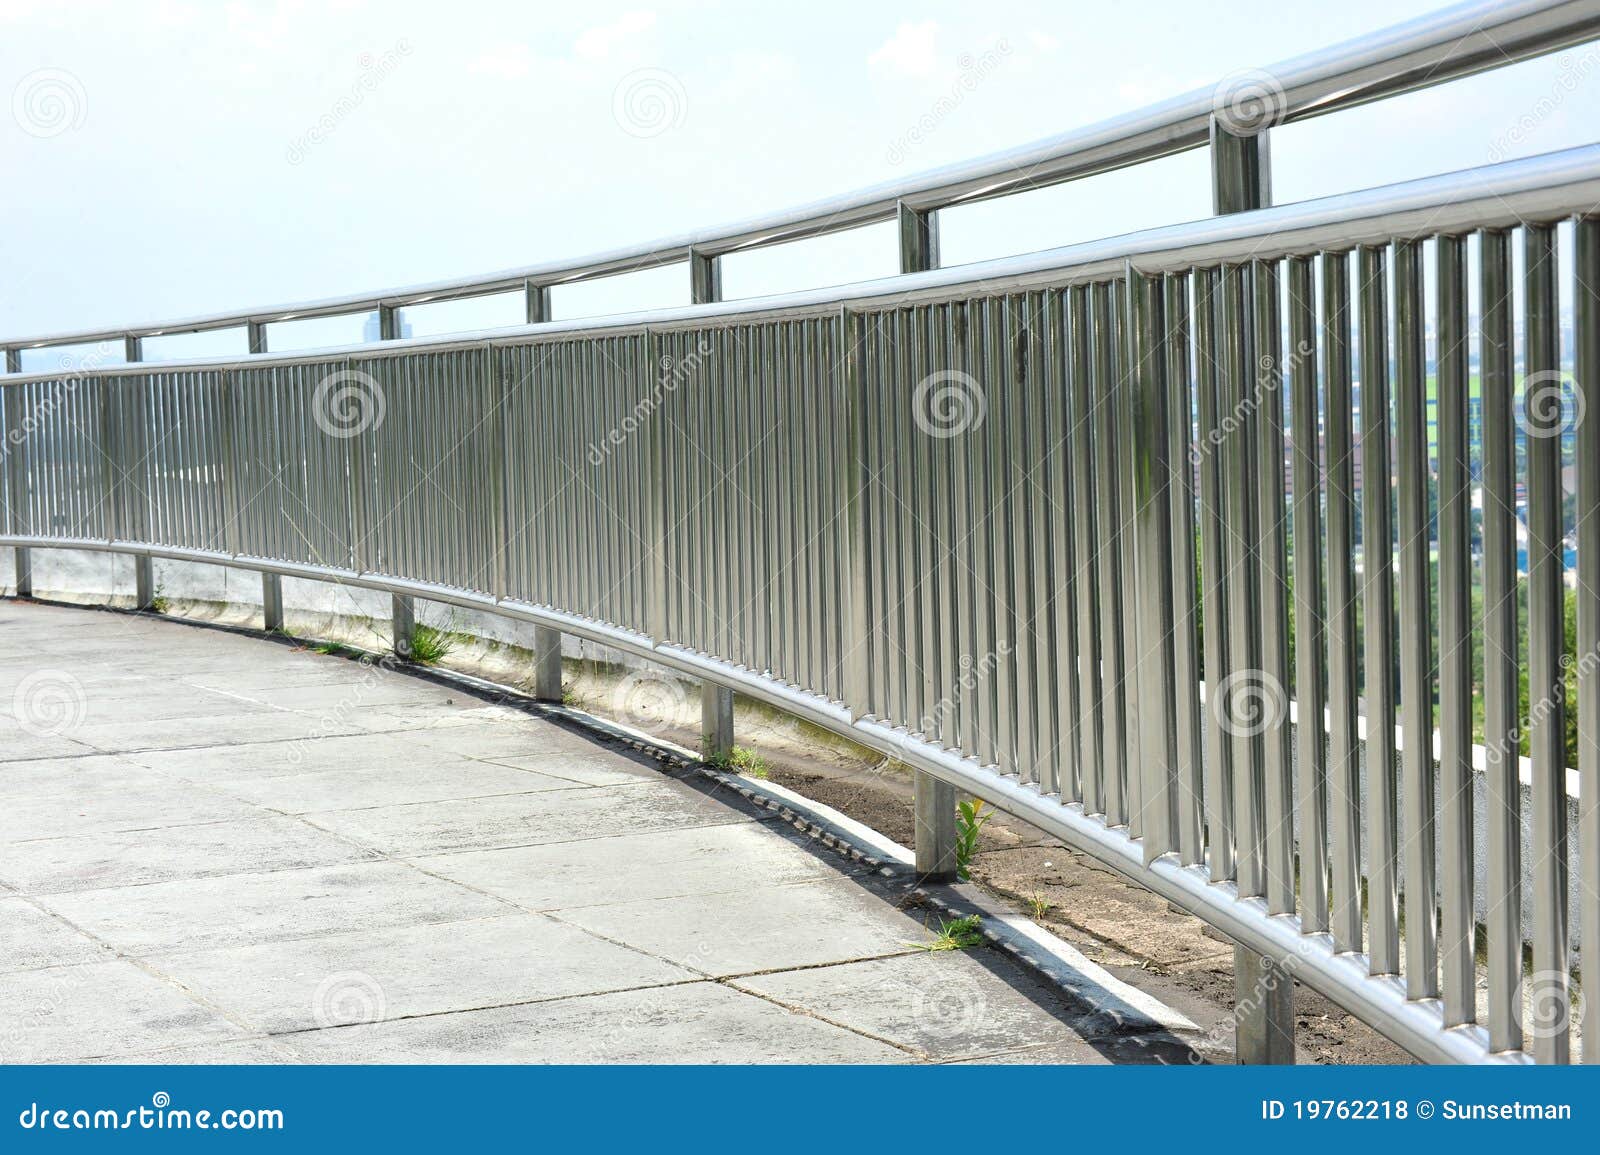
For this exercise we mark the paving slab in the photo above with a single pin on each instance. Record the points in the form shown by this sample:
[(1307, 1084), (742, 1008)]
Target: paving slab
[(401, 972), (937, 1004), (759, 928), (703, 860), (110, 807), (67, 1014), (193, 852), (570, 815), (288, 904), (31, 938), (696, 1023), (372, 786)]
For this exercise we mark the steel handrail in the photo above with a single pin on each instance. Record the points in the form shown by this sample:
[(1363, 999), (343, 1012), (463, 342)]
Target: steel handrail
[(1453, 43)]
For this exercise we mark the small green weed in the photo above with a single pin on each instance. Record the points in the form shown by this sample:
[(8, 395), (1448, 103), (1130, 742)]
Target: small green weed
[(1039, 906), (955, 934), (741, 760), (970, 818), (430, 645)]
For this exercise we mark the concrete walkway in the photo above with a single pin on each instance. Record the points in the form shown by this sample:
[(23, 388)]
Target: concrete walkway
[(220, 848)]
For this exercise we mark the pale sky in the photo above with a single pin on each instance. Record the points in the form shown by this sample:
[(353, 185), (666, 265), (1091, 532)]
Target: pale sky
[(173, 158)]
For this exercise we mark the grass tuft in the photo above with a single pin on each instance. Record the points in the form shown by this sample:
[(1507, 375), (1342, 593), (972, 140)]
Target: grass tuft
[(955, 934), (430, 645), (741, 760)]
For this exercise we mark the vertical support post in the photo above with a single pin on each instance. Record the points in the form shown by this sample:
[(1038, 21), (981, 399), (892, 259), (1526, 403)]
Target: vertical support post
[(1241, 170), (935, 805), (1241, 180), (271, 584), (388, 323), (716, 722), (1263, 1010), (144, 584), (547, 664), (705, 278), (919, 239), (537, 302), (22, 556), (272, 602), (403, 613)]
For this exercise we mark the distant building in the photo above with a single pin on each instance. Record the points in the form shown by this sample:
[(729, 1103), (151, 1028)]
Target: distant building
[(373, 331)]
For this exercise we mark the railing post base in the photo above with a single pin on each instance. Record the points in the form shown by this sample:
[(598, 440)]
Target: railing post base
[(144, 582), (716, 722), (403, 612), (271, 602), (546, 664), (935, 827), (24, 572), (1263, 1010)]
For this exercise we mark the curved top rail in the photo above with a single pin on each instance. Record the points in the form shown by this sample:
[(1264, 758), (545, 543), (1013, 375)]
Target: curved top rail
[(1545, 188), (1463, 40)]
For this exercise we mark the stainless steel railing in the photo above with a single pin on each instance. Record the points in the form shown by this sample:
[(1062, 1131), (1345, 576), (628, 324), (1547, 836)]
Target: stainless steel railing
[(1052, 529)]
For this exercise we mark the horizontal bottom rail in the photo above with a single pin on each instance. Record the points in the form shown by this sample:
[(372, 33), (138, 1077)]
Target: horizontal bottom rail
[(1380, 1001)]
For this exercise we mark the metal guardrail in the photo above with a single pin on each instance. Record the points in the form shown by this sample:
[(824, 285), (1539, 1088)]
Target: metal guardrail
[(1006, 521)]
